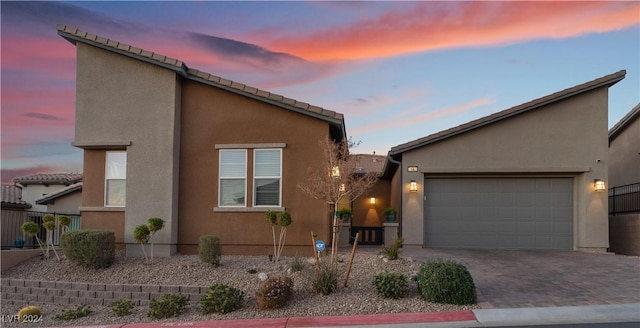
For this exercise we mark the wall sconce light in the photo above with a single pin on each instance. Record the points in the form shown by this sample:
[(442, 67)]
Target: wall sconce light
[(372, 200), (599, 185), (413, 186), (343, 188), (335, 171), (412, 169)]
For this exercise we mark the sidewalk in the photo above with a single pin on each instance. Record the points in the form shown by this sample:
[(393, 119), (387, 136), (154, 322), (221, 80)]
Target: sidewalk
[(473, 318)]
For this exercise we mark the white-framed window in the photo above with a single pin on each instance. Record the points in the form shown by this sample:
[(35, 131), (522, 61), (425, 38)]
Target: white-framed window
[(233, 178), (267, 177), (115, 185)]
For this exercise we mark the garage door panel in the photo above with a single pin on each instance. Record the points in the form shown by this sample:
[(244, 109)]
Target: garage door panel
[(509, 213)]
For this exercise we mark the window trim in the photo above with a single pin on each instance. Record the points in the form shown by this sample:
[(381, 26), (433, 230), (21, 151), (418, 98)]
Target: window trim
[(106, 179), (279, 177), (220, 178)]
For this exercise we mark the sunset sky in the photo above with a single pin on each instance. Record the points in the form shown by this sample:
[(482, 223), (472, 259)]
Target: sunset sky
[(398, 71)]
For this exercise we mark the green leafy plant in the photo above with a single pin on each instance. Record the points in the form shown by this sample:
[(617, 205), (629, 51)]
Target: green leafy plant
[(297, 264), (122, 307), (448, 282), (169, 305), (94, 249), (64, 222), (141, 235), (391, 284), (221, 299), (209, 249), (325, 280), (79, 312), (283, 219), (274, 293), (155, 224), (393, 251), (345, 214), (31, 229)]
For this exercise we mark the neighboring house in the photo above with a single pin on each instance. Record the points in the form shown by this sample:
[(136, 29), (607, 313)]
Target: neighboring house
[(522, 178), (37, 186), (66, 200), (207, 155), (624, 184), (13, 208)]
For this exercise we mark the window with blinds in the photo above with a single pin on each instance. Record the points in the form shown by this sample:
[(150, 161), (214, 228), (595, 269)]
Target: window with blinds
[(267, 173), (233, 178), (115, 184)]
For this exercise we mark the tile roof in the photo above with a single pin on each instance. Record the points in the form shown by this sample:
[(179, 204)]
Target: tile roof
[(44, 200), (63, 178), (607, 81), (367, 163), (624, 122), (12, 196), (74, 35)]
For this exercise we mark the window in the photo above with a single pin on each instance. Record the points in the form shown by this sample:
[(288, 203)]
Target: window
[(267, 177), (116, 179), (233, 170)]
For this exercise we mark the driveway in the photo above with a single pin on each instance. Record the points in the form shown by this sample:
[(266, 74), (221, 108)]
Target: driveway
[(514, 278)]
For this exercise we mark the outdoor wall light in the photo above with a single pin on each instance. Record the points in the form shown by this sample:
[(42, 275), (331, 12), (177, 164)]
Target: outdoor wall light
[(343, 188), (599, 185), (412, 168), (372, 200), (413, 186), (335, 171)]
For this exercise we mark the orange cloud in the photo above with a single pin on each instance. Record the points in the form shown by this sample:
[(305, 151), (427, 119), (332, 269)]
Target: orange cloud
[(428, 26), (386, 124)]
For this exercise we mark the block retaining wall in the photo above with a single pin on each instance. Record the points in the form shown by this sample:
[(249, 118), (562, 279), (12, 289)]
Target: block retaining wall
[(30, 292)]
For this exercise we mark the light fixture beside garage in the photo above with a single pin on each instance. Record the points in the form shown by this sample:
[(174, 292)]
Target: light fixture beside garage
[(413, 186), (599, 185), (412, 168)]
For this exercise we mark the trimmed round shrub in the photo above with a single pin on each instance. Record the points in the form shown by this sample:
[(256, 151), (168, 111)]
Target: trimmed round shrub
[(274, 293), (29, 312), (94, 249), (30, 228), (64, 220), (49, 218), (49, 225), (169, 305), (391, 284), (141, 233), (447, 282), (209, 249), (221, 299), (155, 224)]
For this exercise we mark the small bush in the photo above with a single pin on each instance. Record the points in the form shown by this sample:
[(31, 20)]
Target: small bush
[(221, 299), (30, 228), (446, 282), (141, 234), (393, 252), (79, 312), (64, 220), (29, 312), (121, 307), (297, 264), (49, 218), (169, 305), (274, 293), (209, 249), (325, 280), (94, 249), (391, 284)]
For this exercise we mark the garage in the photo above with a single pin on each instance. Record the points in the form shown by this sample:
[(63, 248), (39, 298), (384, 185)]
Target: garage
[(498, 213)]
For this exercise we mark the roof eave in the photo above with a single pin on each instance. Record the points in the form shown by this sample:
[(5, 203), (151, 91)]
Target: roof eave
[(624, 122)]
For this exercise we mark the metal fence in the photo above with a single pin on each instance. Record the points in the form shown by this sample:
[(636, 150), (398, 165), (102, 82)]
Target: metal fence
[(12, 221), (624, 199)]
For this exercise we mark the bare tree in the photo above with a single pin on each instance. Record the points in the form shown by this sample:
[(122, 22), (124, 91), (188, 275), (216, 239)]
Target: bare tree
[(337, 179)]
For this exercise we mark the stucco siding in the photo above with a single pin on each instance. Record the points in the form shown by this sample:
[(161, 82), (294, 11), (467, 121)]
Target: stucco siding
[(211, 117), (624, 156), (67, 204)]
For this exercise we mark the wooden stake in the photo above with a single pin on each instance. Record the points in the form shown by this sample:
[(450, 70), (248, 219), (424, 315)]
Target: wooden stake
[(353, 253), (315, 253)]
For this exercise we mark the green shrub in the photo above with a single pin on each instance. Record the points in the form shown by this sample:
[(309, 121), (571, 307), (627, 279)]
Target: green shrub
[(274, 293), (221, 299), (141, 233), (64, 220), (169, 305), (30, 228), (448, 282), (49, 225), (393, 252), (155, 224), (122, 307), (79, 312), (325, 280), (391, 284), (49, 218), (297, 264), (209, 249), (90, 248)]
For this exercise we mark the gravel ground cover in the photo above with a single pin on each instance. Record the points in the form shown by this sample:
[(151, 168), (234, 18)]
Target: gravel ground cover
[(187, 270)]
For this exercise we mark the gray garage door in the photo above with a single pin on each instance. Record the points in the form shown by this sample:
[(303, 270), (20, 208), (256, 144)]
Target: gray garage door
[(498, 213)]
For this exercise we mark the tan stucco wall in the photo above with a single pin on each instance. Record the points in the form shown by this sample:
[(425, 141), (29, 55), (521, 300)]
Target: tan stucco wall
[(118, 100), (211, 117), (67, 204), (564, 138), (624, 156)]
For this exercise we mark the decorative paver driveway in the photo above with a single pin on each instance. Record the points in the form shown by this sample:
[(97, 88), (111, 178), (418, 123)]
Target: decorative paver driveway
[(509, 279)]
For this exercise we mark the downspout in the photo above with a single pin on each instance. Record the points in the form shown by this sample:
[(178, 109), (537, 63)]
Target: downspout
[(401, 193)]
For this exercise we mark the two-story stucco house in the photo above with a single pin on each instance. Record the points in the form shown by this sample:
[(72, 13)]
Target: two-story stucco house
[(207, 155)]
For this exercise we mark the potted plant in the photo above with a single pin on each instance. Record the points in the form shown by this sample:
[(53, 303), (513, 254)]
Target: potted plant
[(345, 214), (390, 214)]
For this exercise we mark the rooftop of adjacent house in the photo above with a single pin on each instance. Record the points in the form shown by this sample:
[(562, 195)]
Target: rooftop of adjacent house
[(46, 199), (624, 122), (62, 178), (605, 81), (12, 196), (368, 163), (74, 35)]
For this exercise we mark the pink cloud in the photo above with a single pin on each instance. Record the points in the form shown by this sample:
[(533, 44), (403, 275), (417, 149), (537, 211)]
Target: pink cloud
[(433, 25), (39, 54)]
